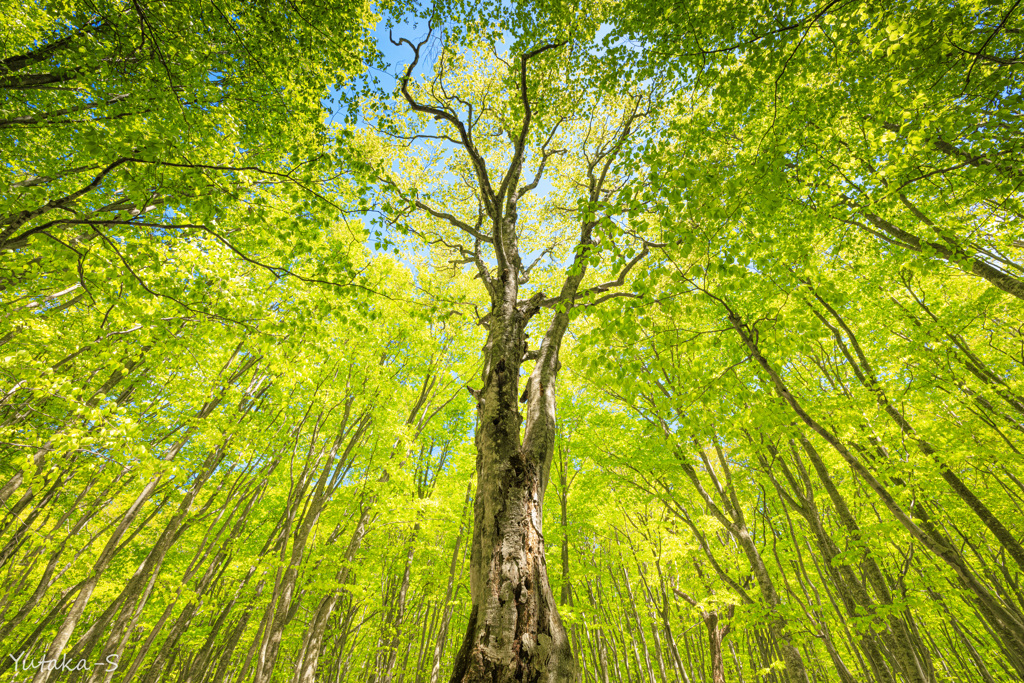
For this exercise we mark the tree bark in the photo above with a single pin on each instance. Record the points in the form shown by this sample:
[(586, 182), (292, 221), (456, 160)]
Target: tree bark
[(514, 630)]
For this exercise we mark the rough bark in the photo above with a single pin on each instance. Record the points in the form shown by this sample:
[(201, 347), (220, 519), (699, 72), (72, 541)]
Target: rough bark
[(514, 630)]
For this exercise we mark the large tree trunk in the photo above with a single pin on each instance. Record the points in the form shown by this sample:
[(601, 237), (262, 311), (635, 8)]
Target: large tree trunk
[(514, 631)]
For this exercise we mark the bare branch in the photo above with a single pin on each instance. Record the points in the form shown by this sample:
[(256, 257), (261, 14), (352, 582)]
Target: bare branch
[(515, 167), (447, 115), (545, 154), (621, 279), (613, 295), (524, 275)]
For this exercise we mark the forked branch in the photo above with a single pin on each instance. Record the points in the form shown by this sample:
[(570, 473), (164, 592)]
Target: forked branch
[(445, 114)]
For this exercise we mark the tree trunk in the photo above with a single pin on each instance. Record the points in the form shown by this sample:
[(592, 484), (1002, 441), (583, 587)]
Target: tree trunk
[(315, 632), (514, 631), (1009, 627), (78, 608), (715, 635), (731, 517), (442, 635), (398, 616)]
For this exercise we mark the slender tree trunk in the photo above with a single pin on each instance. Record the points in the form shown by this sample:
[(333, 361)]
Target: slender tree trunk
[(47, 579), (715, 635), (140, 656), (442, 636), (398, 614), (852, 592), (234, 638), (157, 668), (866, 375), (639, 623), (731, 517), (651, 604), (78, 608)]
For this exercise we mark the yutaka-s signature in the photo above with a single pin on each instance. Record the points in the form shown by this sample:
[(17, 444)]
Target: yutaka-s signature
[(23, 662)]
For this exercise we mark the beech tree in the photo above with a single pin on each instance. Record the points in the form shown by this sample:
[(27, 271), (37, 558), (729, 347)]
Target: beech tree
[(514, 630)]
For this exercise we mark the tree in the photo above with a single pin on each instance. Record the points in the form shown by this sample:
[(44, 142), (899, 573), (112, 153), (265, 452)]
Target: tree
[(133, 127), (811, 138)]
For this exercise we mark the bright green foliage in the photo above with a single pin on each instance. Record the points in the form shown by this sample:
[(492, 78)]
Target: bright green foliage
[(132, 130), (236, 444)]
